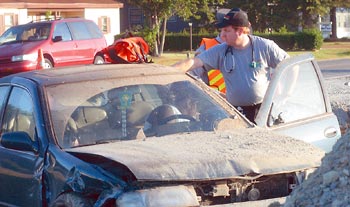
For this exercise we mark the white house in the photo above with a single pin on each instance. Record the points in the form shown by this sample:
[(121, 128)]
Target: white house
[(343, 24), (105, 13)]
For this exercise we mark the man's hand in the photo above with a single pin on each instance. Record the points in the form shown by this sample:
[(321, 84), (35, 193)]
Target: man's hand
[(188, 64)]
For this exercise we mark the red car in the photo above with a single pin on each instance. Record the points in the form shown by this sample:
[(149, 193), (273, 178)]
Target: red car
[(63, 42)]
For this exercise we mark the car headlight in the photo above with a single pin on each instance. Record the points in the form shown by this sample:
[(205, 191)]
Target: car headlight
[(161, 196), (31, 57)]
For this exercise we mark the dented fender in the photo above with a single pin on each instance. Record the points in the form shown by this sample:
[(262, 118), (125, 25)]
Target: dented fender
[(64, 172)]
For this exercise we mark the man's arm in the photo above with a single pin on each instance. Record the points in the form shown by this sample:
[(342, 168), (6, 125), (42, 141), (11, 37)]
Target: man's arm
[(188, 64)]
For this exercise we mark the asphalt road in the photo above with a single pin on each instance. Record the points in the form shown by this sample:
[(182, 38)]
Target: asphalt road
[(335, 68)]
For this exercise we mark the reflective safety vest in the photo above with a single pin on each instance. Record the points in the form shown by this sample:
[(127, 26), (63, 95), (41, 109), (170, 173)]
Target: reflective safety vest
[(216, 80)]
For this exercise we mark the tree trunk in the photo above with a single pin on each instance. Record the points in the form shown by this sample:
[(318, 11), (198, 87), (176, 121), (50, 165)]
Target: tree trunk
[(154, 25), (333, 19), (161, 48)]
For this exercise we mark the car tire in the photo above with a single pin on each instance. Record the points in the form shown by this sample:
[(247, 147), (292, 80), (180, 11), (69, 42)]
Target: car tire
[(99, 60), (47, 64), (71, 200)]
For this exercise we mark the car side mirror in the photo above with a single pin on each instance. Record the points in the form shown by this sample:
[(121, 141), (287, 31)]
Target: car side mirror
[(19, 141), (57, 38)]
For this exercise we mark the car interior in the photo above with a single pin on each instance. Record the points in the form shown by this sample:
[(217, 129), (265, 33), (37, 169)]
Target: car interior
[(131, 112)]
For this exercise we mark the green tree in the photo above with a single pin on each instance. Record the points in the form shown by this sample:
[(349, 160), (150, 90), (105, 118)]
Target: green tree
[(277, 14), (157, 13), (264, 14), (257, 12)]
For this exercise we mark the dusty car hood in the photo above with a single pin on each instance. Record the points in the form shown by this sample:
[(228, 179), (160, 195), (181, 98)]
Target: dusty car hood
[(209, 155)]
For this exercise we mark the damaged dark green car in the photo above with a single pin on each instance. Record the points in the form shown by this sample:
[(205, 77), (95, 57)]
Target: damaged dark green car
[(141, 135)]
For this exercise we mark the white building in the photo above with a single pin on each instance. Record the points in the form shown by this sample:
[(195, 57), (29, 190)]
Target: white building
[(343, 23)]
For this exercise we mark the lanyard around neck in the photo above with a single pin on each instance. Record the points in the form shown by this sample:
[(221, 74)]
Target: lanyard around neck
[(229, 49)]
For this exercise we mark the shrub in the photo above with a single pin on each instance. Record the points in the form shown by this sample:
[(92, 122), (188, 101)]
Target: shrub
[(310, 39), (306, 40), (181, 42), (285, 40)]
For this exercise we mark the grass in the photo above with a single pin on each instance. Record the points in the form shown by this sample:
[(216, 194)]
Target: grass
[(169, 58), (329, 50)]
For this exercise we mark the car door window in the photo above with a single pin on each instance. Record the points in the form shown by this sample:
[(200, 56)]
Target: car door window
[(94, 30), (298, 95), (61, 29), (79, 30), (19, 113), (10, 35)]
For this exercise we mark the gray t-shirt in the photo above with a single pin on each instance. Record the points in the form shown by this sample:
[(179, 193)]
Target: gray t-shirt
[(246, 78)]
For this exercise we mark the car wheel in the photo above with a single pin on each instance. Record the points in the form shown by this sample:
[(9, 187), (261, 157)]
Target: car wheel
[(47, 64), (99, 60), (71, 200)]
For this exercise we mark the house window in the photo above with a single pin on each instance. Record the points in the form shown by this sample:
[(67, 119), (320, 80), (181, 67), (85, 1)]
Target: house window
[(10, 20), (104, 24)]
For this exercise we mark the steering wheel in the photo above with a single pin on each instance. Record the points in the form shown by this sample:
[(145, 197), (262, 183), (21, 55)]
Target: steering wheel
[(174, 117)]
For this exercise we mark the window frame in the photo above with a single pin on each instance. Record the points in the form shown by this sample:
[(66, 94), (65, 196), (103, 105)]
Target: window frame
[(290, 91), (4, 125), (104, 23), (13, 18)]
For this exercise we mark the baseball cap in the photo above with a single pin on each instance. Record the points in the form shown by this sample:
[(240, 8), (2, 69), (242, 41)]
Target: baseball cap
[(236, 17), (220, 13)]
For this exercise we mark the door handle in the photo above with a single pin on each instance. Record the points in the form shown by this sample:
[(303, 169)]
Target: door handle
[(330, 132)]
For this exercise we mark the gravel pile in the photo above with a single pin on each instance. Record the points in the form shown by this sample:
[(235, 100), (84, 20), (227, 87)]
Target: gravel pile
[(329, 185), (339, 95)]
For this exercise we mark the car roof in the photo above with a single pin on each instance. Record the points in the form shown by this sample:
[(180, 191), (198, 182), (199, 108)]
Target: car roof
[(59, 20), (93, 72), (77, 19)]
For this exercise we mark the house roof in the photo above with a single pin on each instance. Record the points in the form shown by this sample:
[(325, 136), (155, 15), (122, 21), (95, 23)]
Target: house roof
[(53, 4)]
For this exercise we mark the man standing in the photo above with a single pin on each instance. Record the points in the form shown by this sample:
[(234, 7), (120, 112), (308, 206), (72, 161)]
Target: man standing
[(244, 60)]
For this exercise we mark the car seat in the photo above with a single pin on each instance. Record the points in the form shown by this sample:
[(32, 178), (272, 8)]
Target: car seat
[(21, 122), (84, 126)]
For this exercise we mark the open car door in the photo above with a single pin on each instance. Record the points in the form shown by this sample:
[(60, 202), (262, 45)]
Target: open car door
[(296, 104)]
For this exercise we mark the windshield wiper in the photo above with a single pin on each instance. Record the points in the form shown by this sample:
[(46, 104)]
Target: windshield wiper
[(104, 141)]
